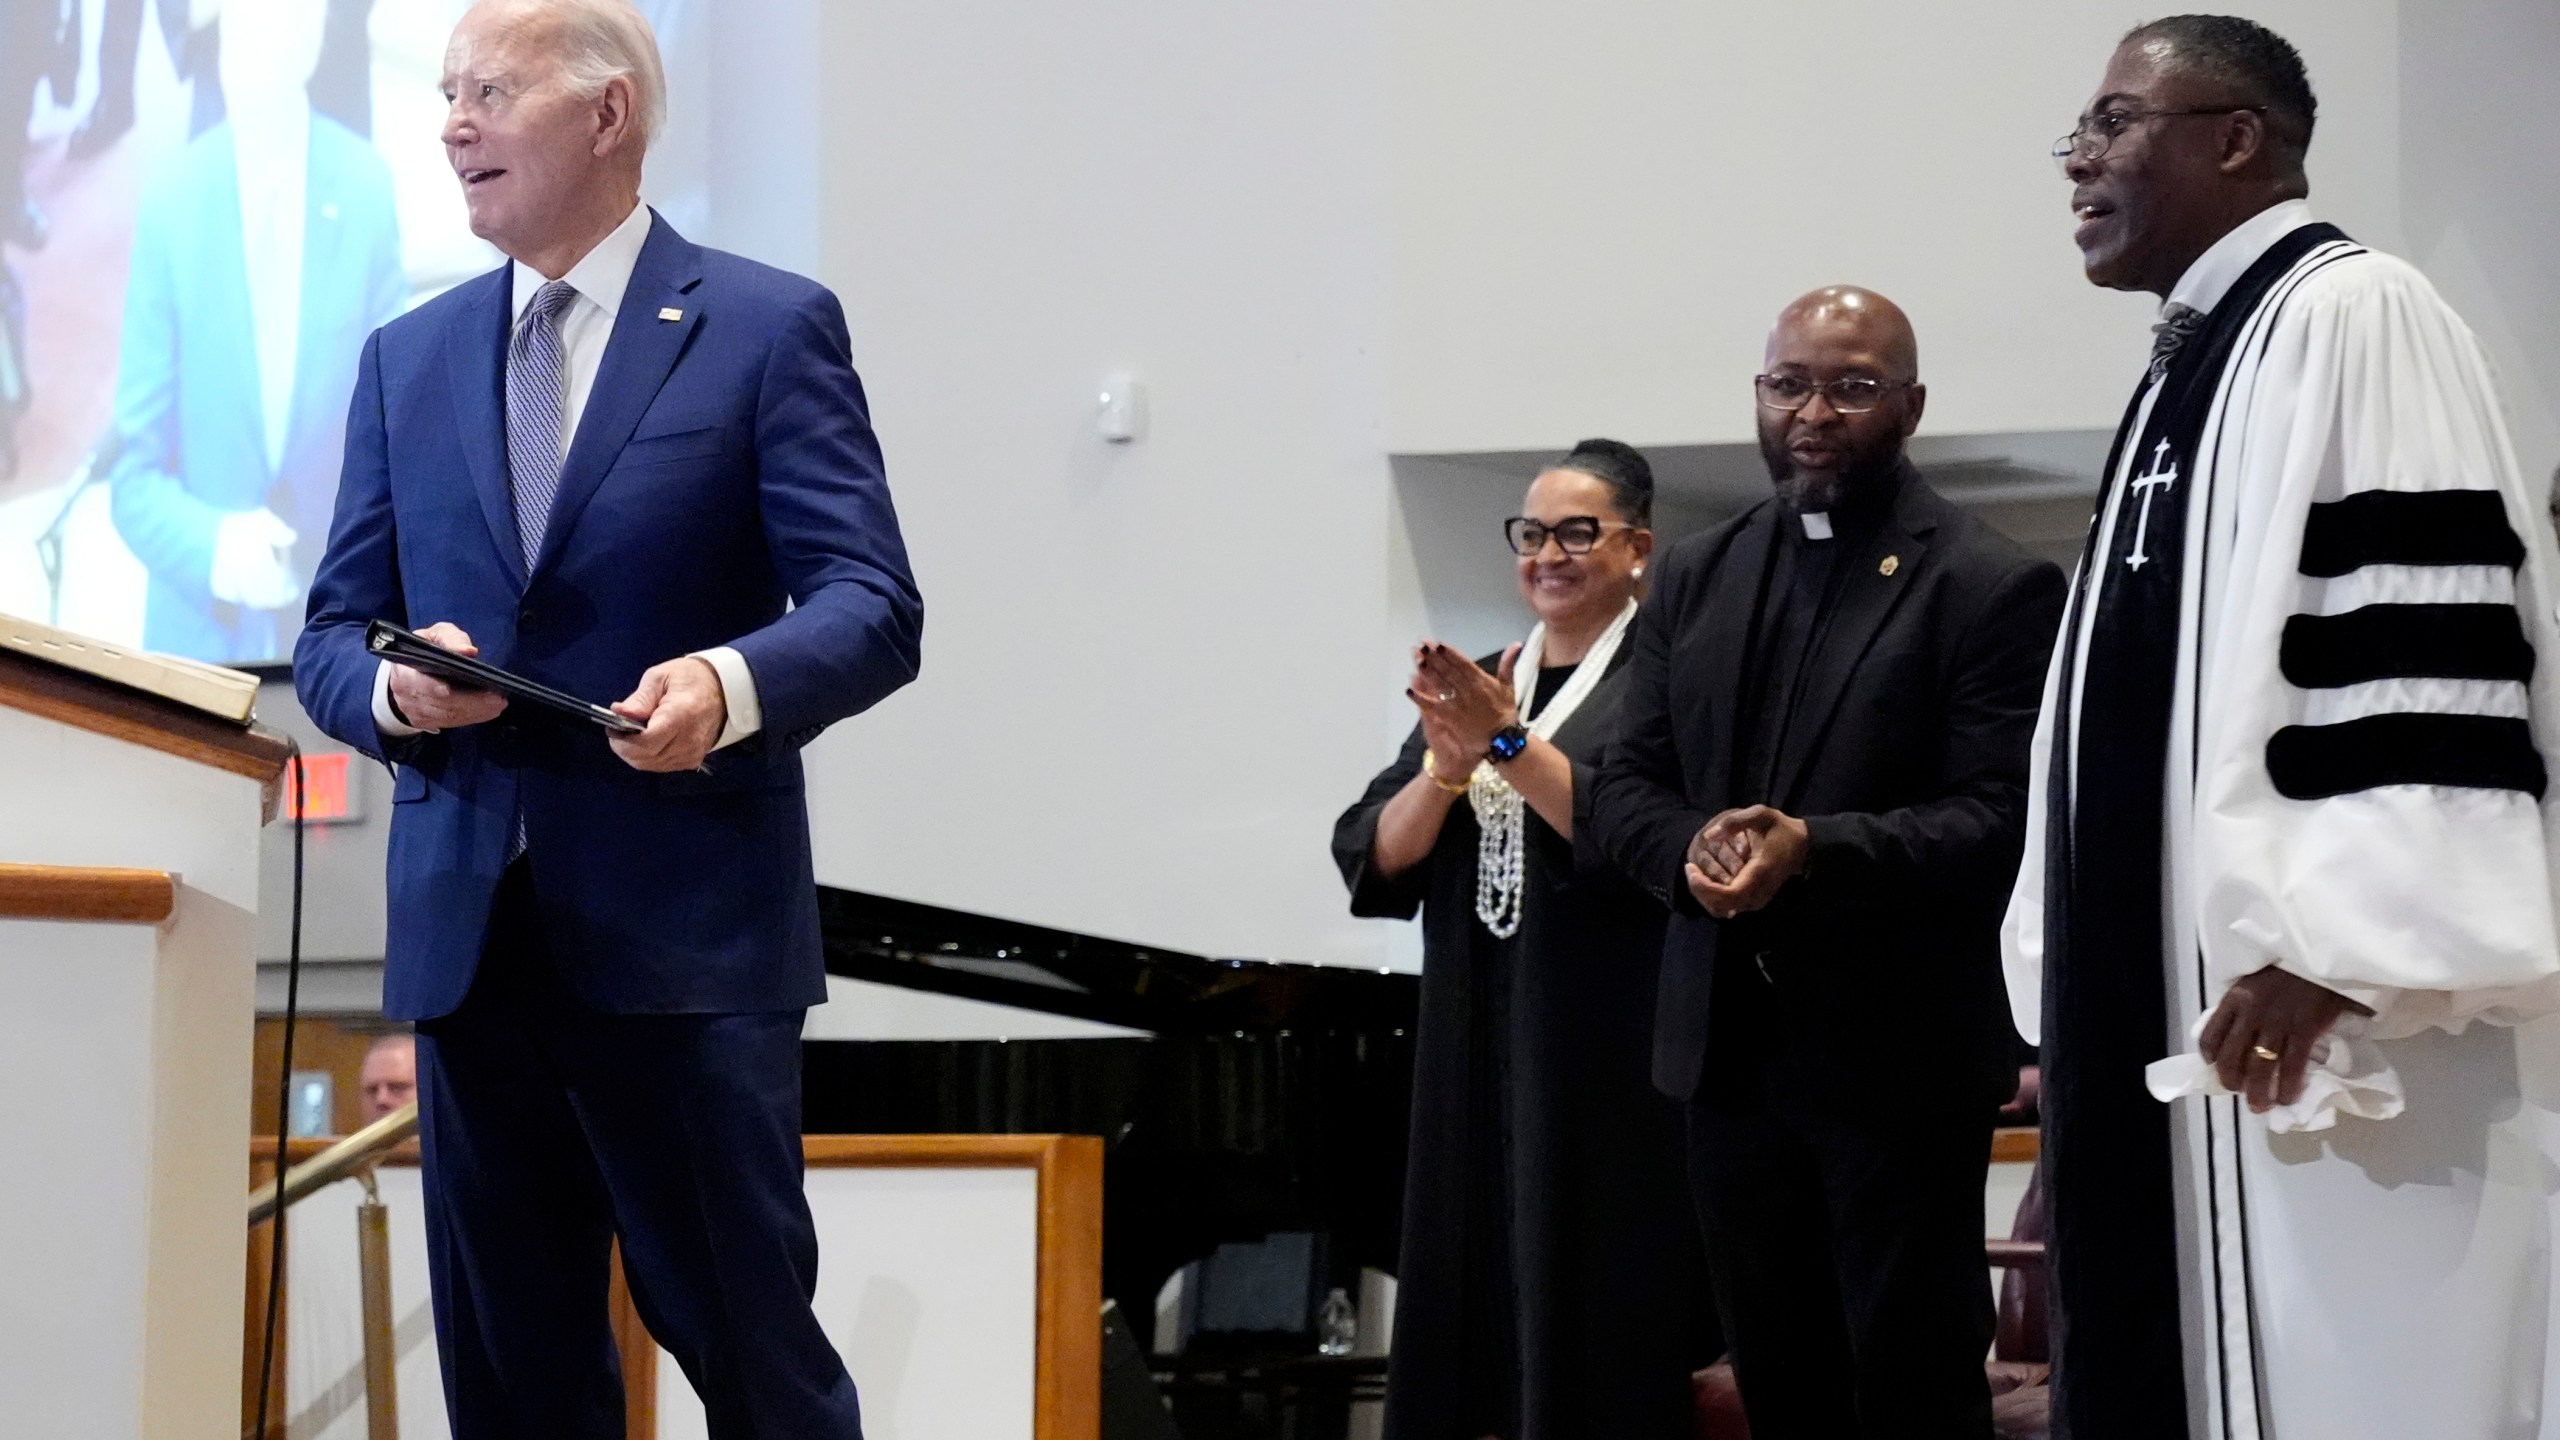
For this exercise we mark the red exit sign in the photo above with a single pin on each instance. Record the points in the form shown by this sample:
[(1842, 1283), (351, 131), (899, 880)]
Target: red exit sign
[(317, 789)]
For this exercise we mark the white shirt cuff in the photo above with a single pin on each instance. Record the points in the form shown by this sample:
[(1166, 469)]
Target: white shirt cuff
[(384, 719), (738, 688)]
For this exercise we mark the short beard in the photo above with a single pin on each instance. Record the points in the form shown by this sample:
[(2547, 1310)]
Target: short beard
[(1815, 493)]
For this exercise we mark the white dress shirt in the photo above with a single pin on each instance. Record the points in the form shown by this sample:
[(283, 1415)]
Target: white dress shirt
[(271, 158), (600, 280), (2218, 269)]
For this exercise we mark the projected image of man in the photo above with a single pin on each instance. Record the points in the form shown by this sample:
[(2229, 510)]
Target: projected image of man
[(260, 262)]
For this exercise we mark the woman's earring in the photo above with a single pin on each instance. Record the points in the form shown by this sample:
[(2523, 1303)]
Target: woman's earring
[(1639, 572)]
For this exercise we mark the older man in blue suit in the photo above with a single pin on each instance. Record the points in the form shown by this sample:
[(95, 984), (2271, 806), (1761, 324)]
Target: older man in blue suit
[(623, 463), (261, 259)]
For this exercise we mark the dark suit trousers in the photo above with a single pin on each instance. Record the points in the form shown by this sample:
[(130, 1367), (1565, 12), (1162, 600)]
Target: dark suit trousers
[(548, 1130), (1846, 1252)]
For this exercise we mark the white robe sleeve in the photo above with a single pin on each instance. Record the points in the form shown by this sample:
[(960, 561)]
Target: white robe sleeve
[(2328, 847)]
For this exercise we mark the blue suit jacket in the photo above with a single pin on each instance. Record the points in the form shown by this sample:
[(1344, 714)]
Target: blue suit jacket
[(187, 394), (723, 488)]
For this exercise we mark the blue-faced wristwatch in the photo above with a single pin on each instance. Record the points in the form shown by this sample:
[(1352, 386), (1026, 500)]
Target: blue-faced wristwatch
[(1509, 742)]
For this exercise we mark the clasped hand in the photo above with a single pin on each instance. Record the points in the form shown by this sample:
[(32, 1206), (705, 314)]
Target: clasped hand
[(680, 701), (1461, 705), (1739, 860)]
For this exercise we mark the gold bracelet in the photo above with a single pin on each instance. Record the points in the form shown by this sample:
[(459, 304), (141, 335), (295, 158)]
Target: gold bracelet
[(1432, 774)]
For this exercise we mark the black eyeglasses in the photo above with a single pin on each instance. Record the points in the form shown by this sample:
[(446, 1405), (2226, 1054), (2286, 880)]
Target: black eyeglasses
[(1850, 395), (2090, 138), (1577, 534)]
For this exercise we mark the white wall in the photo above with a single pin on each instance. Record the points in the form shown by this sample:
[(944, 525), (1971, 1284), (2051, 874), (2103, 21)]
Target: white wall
[(2483, 212), (1599, 207), (1145, 689)]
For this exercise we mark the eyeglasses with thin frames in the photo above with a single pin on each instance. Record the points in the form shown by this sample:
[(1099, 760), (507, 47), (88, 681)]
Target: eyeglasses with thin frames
[(2090, 138), (1578, 534), (1850, 395)]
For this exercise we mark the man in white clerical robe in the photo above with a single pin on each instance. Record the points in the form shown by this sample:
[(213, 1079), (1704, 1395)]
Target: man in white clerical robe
[(2285, 923)]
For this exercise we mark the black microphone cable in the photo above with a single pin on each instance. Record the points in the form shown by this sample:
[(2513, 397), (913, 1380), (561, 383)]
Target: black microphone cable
[(298, 792)]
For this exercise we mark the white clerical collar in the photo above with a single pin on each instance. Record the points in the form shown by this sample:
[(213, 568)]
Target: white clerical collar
[(602, 274), (2220, 268), (1817, 524)]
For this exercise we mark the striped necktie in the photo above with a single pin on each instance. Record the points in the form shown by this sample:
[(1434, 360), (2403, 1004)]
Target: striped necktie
[(537, 405)]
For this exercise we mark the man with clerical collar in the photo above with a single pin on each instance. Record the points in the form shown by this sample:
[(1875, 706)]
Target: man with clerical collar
[(1821, 769), (2291, 863)]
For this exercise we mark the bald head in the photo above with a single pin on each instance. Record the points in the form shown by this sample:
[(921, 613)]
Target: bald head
[(1850, 319), (1840, 395)]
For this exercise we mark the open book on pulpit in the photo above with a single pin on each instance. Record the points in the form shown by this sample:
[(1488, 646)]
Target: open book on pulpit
[(224, 693)]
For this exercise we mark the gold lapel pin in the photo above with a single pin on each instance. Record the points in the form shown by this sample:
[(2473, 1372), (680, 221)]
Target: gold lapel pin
[(671, 313), (1888, 564)]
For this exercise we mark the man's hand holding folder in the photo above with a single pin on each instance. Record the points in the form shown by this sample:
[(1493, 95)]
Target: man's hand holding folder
[(440, 668), (431, 702)]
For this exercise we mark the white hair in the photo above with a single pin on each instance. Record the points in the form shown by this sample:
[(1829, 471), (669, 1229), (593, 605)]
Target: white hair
[(600, 41)]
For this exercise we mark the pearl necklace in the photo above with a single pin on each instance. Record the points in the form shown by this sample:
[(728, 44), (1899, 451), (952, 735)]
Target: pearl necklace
[(1501, 854)]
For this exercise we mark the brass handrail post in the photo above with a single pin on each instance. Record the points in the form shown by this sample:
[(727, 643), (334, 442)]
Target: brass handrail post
[(381, 1344), (356, 1152)]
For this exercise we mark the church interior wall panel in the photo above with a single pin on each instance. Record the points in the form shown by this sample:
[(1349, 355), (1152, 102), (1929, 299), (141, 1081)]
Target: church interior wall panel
[(1599, 207), (1151, 674)]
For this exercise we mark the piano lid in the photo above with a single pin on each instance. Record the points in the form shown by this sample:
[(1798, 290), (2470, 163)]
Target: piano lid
[(980, 957)]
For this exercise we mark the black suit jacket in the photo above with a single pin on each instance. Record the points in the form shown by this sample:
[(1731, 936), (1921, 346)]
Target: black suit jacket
[(1907, 760)]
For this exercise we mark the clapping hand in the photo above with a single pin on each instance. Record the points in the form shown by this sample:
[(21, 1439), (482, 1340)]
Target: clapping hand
[(1461, 705), (1739, 860)]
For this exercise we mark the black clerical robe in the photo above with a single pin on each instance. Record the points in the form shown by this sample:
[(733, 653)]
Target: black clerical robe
[(1842, 1051), (1551, 1284)]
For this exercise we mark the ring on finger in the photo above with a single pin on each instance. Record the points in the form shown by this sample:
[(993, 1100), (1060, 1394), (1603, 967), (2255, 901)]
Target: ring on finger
[(2263, 1053)]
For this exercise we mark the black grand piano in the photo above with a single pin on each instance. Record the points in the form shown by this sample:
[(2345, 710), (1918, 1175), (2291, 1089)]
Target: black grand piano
[(1264, 1097)]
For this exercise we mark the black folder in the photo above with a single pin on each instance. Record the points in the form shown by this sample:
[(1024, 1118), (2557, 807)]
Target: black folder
[(404, 647)]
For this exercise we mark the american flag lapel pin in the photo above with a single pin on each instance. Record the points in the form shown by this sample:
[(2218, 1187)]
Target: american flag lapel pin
[(670, 313)]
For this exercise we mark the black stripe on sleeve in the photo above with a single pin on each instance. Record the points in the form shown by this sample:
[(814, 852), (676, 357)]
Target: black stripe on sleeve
[(2481, 752), (2409, 527), (2389, 642)]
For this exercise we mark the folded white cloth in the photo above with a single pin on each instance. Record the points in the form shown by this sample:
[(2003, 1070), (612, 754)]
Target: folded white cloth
[(2347, 1076)]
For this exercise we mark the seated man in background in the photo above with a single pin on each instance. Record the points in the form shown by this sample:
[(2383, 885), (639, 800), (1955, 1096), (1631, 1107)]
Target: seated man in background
[(389, 1078), (1820, 767)]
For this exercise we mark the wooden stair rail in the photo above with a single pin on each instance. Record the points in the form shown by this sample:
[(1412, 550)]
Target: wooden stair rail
[(87, 892)]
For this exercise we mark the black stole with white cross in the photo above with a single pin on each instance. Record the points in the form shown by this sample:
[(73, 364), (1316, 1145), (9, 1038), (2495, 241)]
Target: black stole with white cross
[(2119, 1364)]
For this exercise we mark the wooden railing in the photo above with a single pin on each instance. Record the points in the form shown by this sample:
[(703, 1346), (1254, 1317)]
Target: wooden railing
[(87, 892), (1067, 1383)]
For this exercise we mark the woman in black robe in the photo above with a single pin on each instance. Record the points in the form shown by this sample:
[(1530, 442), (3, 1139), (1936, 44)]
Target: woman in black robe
[(1551, 1284)]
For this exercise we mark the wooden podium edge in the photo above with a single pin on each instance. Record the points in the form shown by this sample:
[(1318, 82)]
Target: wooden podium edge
[(87, 892), (1067, 1383), (105, 708)]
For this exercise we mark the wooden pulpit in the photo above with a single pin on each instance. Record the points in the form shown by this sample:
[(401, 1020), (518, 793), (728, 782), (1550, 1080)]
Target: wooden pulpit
[(128, 979)]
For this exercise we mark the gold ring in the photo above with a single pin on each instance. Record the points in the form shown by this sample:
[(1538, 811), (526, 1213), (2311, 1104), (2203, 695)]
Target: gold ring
[(2263, 1053)]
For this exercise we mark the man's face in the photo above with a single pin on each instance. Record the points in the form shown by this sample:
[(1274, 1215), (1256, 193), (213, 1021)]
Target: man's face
[(525, 146), (2139, 205), (389, 1078), (1818, 454)]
